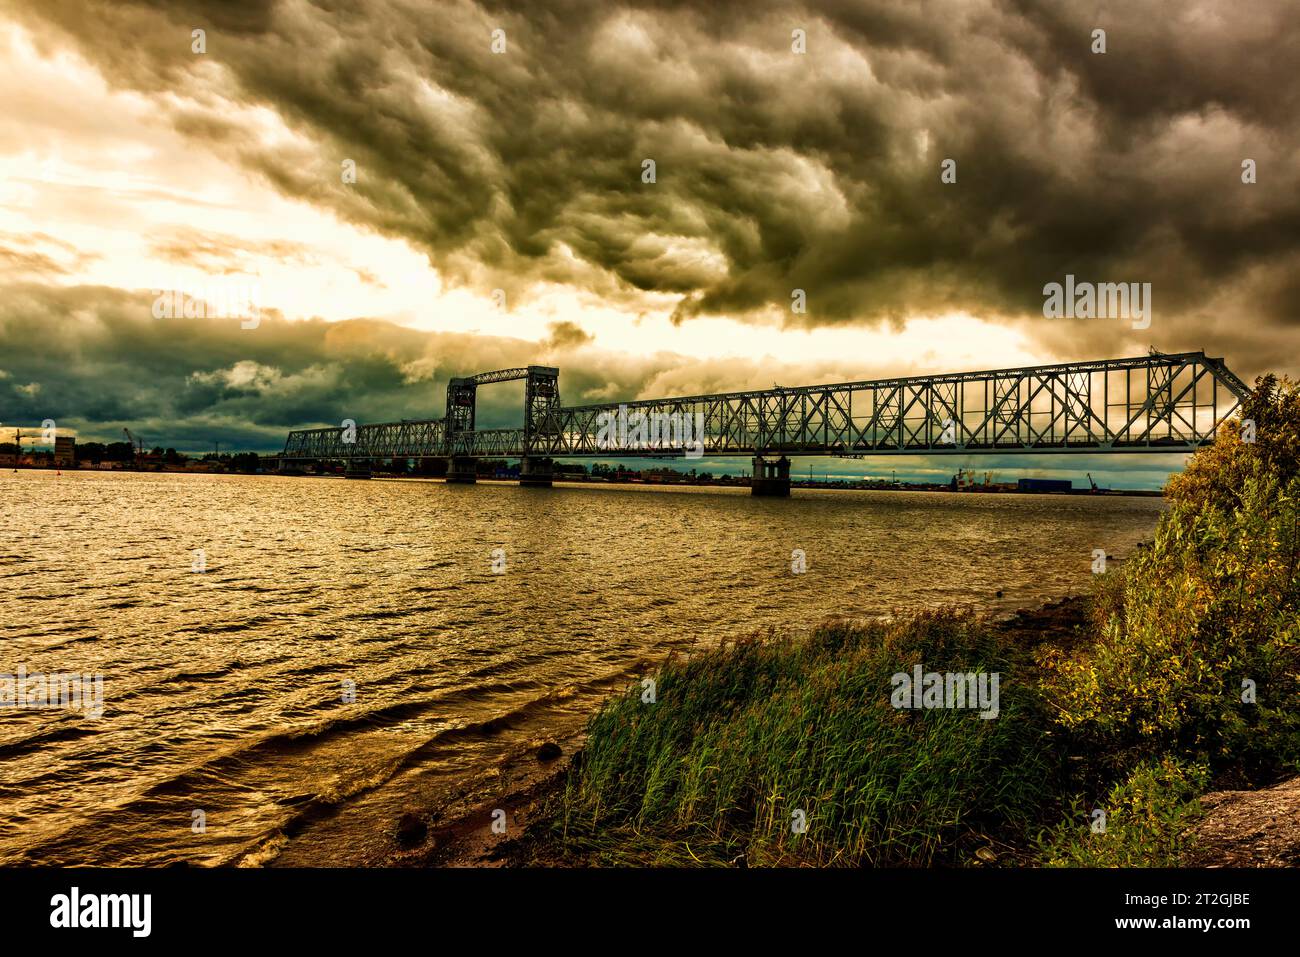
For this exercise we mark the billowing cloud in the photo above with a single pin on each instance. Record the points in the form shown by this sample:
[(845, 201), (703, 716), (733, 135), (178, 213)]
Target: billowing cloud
[(774, 170), (567, 335)]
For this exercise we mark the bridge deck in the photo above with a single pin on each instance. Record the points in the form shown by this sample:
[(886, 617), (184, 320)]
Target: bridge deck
[(1154, 403)]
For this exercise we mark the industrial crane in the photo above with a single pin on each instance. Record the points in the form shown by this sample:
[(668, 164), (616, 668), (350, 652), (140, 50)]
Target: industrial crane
[(19, 435), (137, 444)]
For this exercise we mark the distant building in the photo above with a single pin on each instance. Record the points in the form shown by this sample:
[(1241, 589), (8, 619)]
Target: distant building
[(1044, 485), (65, 451), (661, 476)]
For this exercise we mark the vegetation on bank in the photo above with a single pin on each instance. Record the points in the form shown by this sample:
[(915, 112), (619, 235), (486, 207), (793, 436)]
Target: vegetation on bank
[(1147, 816), (1193, 678), (782, 751), (744, 741)]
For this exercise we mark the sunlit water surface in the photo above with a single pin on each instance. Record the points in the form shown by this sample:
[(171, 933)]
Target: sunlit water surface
[(224, 691)]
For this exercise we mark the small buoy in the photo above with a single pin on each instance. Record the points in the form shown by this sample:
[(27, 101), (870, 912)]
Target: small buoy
[(999, 594)]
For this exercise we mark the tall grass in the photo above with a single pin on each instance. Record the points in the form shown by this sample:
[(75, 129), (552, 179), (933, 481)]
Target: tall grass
[(741, 740)]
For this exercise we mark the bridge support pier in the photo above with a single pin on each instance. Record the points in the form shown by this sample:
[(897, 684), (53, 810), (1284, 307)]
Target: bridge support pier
[(535, 472), (356, 469), (771, 477), (462, 471)]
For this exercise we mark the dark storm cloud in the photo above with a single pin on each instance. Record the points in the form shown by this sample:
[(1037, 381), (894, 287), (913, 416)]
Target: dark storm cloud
[(95, 359), (567, 335), (777, 171)]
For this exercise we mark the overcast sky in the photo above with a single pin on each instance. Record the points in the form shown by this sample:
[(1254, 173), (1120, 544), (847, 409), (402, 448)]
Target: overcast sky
[(500, 214)]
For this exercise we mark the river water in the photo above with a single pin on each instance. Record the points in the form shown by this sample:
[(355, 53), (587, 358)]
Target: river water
[(347, 643)]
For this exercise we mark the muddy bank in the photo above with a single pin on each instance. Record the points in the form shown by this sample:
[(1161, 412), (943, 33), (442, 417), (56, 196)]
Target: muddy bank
[(1249, 828), (482, 823), (460, 833), (1240, 828)]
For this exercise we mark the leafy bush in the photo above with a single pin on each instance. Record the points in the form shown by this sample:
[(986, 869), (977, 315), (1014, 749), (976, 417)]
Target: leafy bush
[(1218, 475), (1210, 617), (1107, 599), (1147, 821)]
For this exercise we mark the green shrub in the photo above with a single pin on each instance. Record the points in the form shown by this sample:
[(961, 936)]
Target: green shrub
[(1210, 617), (1147, 821), (1217, 476), (1107, 599)]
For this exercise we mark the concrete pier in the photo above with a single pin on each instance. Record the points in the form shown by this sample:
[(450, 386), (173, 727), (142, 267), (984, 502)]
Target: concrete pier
[(536, 472), (462, 471), (771, 477)]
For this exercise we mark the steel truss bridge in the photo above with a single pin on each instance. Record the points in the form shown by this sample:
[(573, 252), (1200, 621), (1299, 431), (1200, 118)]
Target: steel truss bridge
[(1152, 403)]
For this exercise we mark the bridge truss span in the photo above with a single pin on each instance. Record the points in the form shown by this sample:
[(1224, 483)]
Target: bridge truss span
[(1152, 403)]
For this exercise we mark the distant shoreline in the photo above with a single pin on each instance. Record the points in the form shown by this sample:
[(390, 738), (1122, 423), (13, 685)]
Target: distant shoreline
[(577, 480)]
